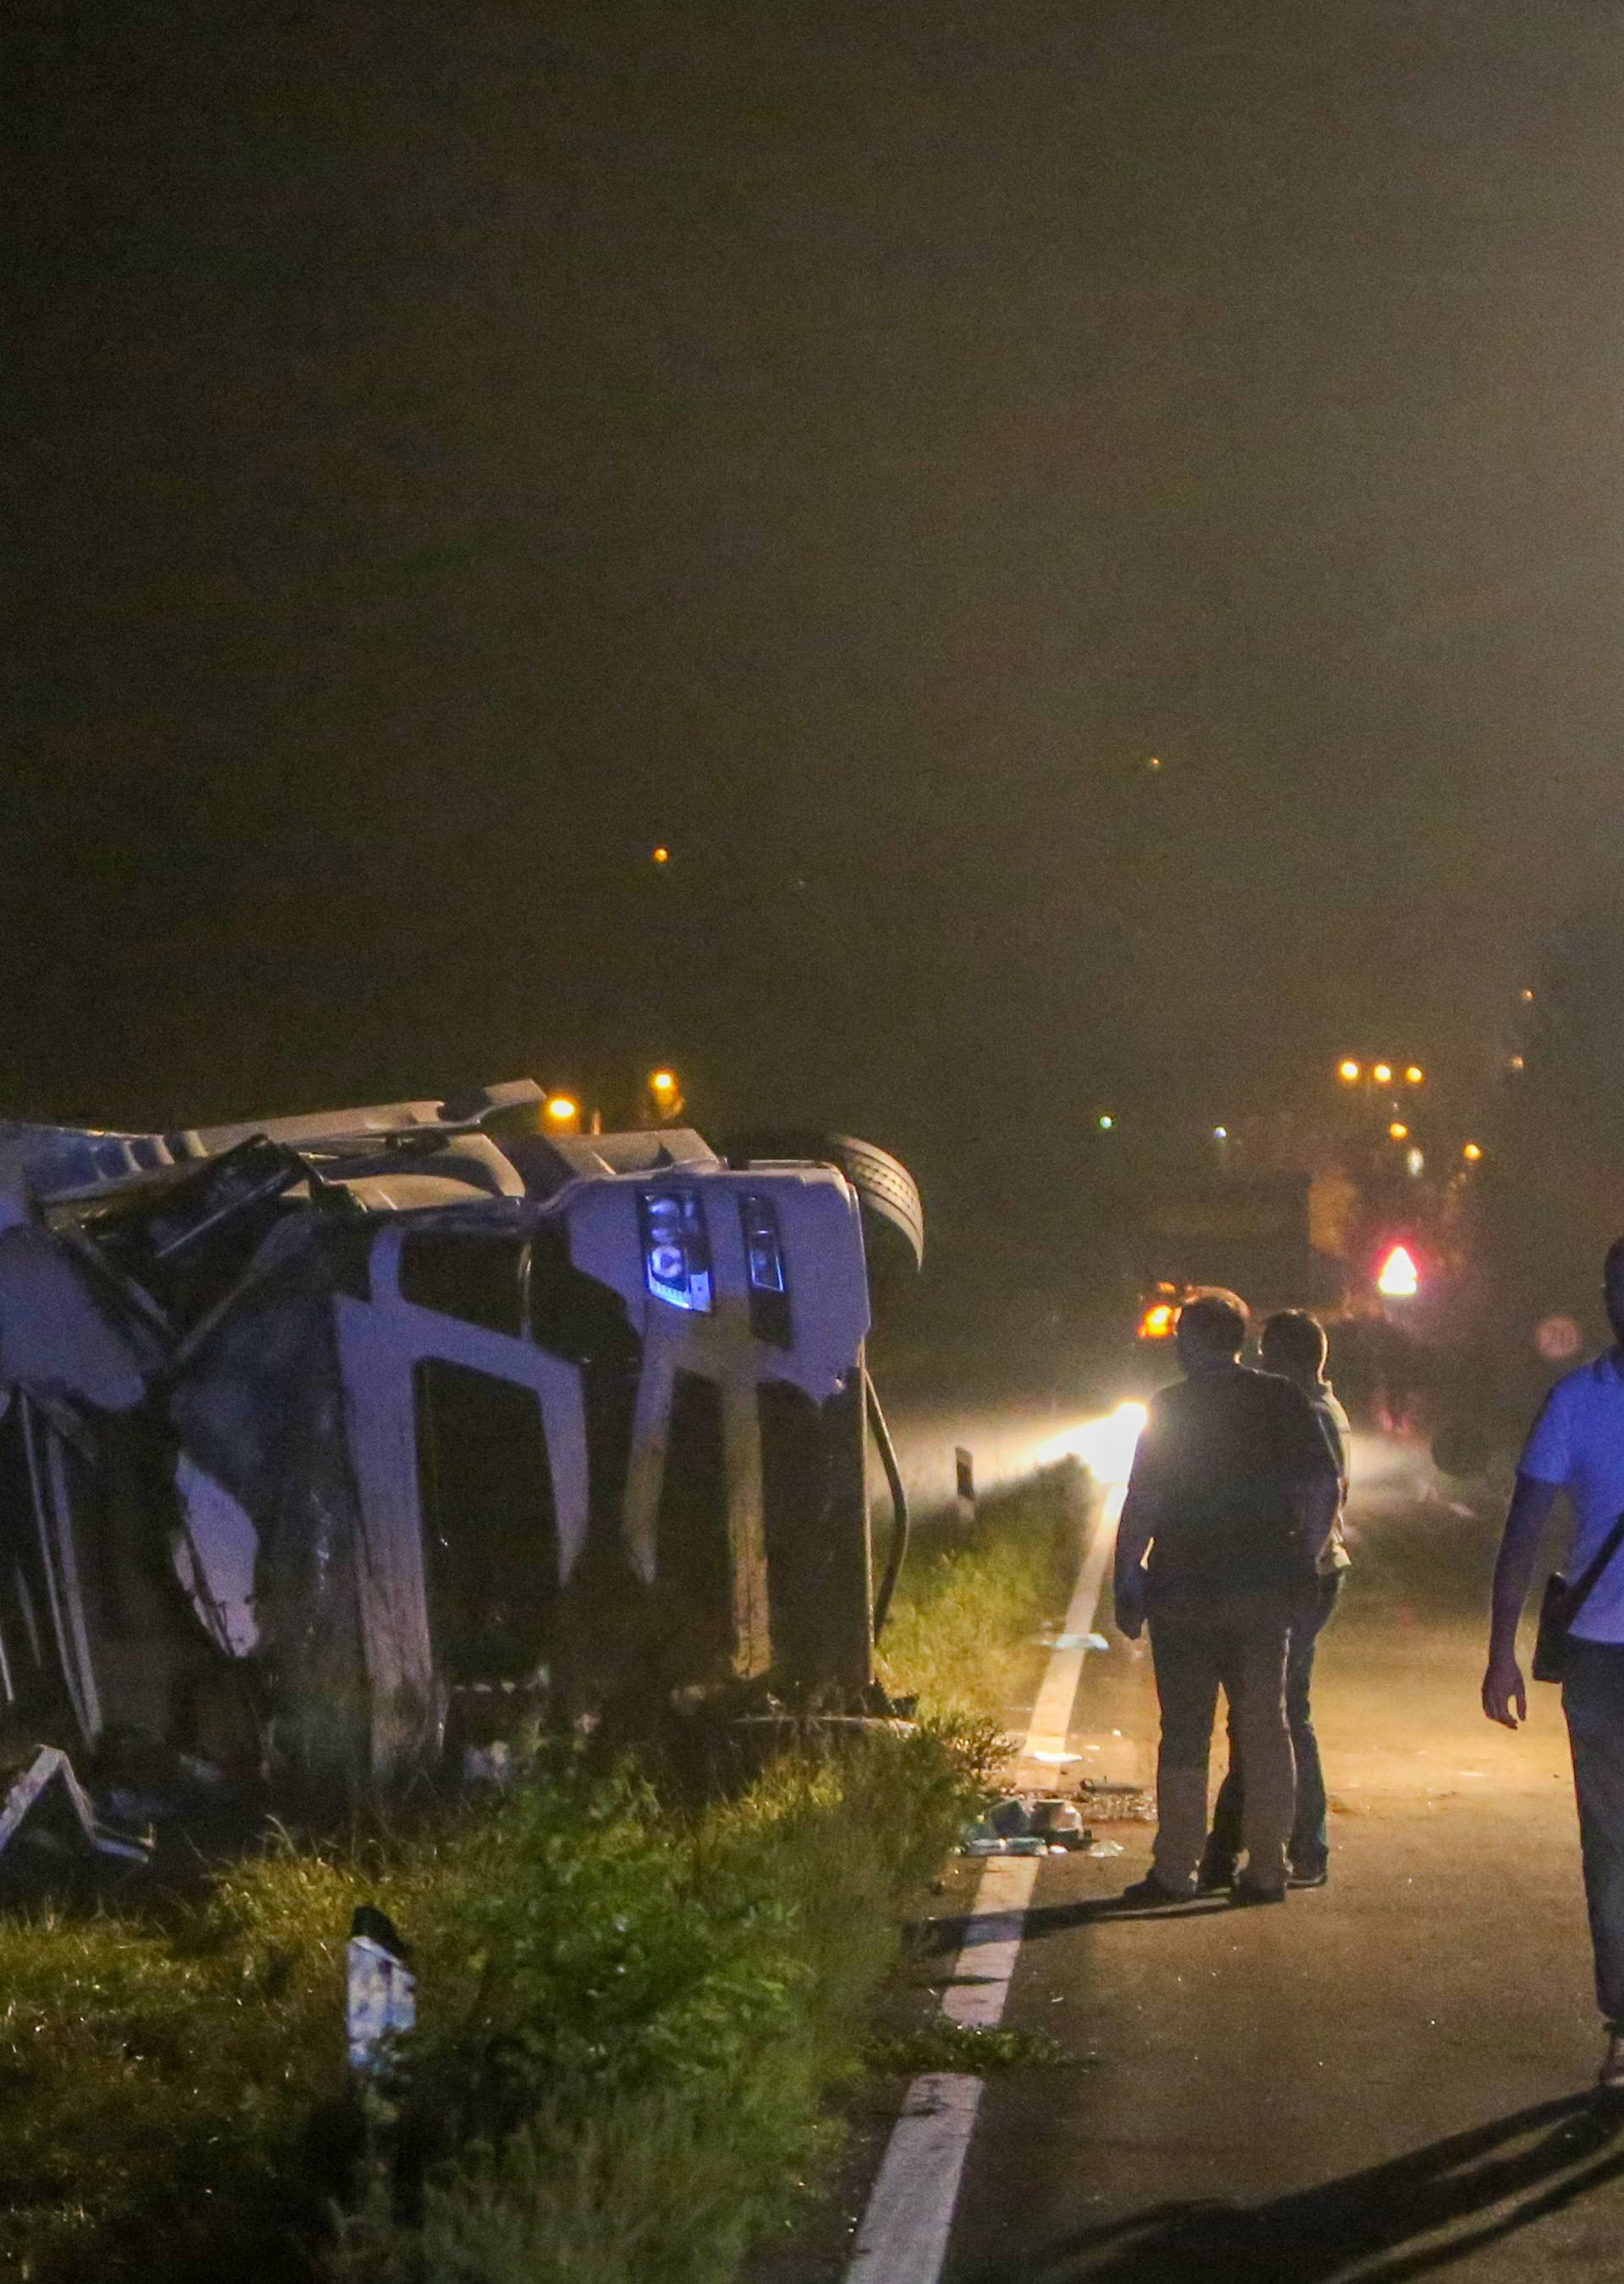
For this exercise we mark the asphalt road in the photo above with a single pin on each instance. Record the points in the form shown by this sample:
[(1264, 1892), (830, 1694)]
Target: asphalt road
[(1383, 2078)]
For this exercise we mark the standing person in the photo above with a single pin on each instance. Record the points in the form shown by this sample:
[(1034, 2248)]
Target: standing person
[(1231, 1499), (1576, 1445), (1293, 1346)]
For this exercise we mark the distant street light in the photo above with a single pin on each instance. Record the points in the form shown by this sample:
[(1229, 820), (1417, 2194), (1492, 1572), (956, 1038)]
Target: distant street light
[(1383, 1074), (1350, 1072), (1105, 1122), (1398, 1131), (662, 855), (1472, 1152), (563, 1111), (1414, 1076)]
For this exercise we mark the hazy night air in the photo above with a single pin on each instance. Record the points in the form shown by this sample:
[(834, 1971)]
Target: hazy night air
[(456, 451), (669, 661)]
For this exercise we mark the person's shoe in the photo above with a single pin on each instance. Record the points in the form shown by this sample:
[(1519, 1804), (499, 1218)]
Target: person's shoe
[(1216, 1875), (1252, 1891), (1610, 2078), (1296, 1879), (1145, 1894)]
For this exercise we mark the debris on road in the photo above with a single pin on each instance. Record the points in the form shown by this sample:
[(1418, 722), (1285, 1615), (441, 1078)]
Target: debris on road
[(1043, 1824)]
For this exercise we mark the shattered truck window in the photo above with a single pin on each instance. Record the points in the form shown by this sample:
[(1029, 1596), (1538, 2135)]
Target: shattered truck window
[(489, 1526), (477, 1276)]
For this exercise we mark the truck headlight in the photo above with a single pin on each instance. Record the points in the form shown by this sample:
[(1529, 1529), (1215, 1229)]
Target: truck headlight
[(675, 1248)]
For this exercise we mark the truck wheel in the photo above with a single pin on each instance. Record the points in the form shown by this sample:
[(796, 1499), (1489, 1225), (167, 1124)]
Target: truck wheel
[(888, 1193)]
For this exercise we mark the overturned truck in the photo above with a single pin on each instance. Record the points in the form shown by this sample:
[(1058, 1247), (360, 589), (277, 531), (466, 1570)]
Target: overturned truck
[(331, 1446)]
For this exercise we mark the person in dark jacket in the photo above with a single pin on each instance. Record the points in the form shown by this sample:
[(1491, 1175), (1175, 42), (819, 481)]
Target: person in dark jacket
[(1293, 1345), (1230, 1503)]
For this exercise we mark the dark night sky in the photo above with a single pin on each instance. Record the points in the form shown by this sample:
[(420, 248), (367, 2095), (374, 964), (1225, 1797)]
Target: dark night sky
[(453, 447)]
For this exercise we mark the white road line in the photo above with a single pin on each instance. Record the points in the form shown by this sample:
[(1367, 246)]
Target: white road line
[(1051, 1716), (986, 1965), (904, 2236)]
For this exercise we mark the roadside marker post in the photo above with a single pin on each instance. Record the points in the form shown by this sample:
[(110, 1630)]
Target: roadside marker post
[(380, 2010), (964, 1475), (380, 1993)]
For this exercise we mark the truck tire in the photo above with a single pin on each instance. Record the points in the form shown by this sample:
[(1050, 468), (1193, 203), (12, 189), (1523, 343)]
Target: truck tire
[(889, 1194)]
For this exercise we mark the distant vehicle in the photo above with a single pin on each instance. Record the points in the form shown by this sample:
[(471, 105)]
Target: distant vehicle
[(1251, 1234), (332, 1444)]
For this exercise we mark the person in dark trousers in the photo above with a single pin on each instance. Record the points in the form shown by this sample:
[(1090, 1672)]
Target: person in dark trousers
[(1292, 1345), (1230, 1504), (1576, 1445)]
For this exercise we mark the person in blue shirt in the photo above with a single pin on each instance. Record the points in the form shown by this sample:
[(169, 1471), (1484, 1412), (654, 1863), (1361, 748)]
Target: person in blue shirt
[(1576, 1445)]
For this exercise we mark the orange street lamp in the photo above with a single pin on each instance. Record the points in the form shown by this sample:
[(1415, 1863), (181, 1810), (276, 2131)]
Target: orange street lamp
[(1383, 1074), (662, 855), (1398, 1131), (1349, 1072), (563, 1111), (1414, 1076), (665, 1093), (1472, 1152)]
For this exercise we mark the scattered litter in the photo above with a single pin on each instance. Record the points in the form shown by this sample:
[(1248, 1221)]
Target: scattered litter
[(1054, 1760), (1115, 1803), (489, 1765), (1044, 1824)]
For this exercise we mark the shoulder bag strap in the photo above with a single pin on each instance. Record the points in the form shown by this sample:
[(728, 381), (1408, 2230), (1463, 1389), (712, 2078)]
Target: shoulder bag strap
[(1582, 1586)]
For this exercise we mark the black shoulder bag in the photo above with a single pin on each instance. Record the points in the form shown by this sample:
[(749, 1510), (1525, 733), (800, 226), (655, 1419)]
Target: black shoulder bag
[(1563, 1603)]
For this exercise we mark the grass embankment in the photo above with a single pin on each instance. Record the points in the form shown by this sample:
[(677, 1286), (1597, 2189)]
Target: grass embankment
[(964, 1635), (630, 2013)]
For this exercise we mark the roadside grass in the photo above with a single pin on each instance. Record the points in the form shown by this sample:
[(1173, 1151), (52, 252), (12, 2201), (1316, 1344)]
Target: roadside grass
[(940, 2044), (632, 2015), (963, 1633)]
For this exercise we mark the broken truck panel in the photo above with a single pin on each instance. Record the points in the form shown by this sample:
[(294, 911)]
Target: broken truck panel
[(334, 1437)]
